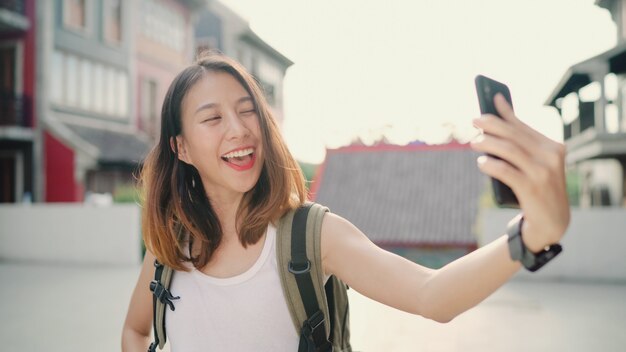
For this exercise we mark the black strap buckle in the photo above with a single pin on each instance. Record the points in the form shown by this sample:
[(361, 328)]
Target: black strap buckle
[(299, 270), (314, 332), (315, 321), (162, 294)]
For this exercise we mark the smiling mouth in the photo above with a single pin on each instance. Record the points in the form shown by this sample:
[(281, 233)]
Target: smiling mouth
[(241, 159)]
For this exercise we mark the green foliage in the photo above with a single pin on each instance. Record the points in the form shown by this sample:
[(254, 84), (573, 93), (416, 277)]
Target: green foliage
[(309, 171), (486, 199), (573, 182), (127, 193)]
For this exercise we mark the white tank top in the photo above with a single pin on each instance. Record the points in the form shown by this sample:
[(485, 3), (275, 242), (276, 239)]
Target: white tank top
[(247, 312)]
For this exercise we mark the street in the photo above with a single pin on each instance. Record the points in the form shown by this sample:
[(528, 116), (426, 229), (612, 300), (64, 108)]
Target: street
[(62, 308)]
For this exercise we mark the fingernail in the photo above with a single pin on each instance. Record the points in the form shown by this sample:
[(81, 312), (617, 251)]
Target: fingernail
[(481, 159)]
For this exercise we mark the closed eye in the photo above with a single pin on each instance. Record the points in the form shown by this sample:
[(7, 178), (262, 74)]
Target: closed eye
[(248, 112), (214, 118)]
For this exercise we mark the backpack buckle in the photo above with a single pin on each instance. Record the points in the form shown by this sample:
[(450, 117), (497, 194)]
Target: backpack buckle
[(162, 294), (315, 321), (314, 333), (298, 271)]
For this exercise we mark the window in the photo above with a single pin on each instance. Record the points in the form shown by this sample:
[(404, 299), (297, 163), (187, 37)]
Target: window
[(98, 85), (11, 110), (71, 83), (149, 112), (122, 93), (86, 85), (270, 94), (74, 14), (81, 83), (109, 91), (113, 21), (57, 82), (163, 24), (7, 68), (623, 106)]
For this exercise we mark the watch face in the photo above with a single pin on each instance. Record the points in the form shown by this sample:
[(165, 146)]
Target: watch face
[(541, 258), (518, 251)]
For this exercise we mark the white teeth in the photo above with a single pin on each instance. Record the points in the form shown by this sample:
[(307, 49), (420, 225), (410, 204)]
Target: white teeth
[(239, 153)]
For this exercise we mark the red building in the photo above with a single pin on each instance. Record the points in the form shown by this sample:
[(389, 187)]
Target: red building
[(18, 123)]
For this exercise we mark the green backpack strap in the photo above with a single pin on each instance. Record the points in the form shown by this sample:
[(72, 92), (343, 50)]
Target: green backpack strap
[(302, 276), (161, 297)]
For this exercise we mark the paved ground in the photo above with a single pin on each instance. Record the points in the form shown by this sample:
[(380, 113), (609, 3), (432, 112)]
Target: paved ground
[(61, 308)]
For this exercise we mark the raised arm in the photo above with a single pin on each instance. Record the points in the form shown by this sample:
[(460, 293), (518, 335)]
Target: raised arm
[(535, 172), (388, 278)]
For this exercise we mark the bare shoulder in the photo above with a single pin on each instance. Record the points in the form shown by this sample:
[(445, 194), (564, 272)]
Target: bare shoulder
[(340, 238), (335, 230)]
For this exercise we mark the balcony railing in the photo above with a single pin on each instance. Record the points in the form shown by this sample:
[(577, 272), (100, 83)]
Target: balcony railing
[(587, 115), (567, 131), (17, 6), (15, 109)]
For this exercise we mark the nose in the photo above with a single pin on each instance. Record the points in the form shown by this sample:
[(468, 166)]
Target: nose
[(236, 128)]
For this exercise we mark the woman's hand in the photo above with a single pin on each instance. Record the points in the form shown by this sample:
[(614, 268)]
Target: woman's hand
[(534, 169)]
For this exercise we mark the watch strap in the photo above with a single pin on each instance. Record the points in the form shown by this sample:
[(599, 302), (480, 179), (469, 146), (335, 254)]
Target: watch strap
[(519, 252)]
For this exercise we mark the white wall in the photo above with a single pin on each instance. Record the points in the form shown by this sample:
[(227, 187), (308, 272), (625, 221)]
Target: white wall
[(71, 233), (603, 172), (594, 246)]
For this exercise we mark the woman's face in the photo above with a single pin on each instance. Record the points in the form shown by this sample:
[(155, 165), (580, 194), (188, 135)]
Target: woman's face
[(221, 135)]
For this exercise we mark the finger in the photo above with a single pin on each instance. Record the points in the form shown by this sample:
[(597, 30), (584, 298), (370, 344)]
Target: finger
[(506, 111), (495, 126), (510, 152), (527, 139), (503, 171), (503, 108)]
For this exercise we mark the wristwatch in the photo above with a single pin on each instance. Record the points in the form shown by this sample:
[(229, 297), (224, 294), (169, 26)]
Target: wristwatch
[(519, 252)]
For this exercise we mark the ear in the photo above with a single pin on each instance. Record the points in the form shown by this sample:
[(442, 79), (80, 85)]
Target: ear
[(179, 142)]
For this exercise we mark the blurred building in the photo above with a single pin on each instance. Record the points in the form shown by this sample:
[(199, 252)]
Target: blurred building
[(17, 93), (88, 135), (591, 98), (420, 201), (103, 69), (219, 28), (99, 70), (164, 45)]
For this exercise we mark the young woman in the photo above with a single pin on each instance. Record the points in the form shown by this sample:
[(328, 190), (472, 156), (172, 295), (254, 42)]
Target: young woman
[(220, 178)]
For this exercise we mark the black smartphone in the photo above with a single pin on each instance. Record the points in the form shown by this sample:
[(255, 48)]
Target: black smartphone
[(487, 88)]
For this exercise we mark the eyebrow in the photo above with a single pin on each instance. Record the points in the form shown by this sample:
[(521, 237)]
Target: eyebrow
[(212, 105)]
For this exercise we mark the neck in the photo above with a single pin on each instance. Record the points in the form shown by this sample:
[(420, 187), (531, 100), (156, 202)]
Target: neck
[(225, 208)]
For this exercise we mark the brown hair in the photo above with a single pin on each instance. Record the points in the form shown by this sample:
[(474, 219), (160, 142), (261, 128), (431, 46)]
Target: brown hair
[(175, 202)]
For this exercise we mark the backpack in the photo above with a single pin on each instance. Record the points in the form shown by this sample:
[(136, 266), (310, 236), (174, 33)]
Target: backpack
[(319, 311)]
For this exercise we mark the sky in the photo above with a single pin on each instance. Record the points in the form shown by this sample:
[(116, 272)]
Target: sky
[(405, 69)]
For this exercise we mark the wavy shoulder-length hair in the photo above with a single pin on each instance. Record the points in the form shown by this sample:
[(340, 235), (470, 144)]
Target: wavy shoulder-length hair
[(176, 206)]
